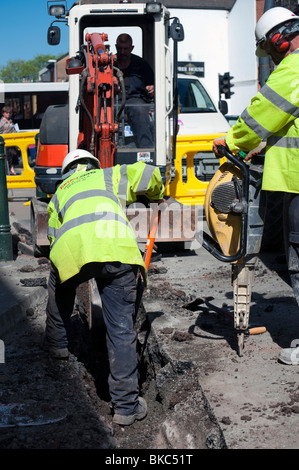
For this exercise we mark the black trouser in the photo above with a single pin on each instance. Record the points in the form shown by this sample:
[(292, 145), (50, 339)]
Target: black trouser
[(291, 231), (117, 287), (138, 117)]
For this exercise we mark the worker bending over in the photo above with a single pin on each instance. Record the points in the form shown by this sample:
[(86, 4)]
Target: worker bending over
[(90, 237)]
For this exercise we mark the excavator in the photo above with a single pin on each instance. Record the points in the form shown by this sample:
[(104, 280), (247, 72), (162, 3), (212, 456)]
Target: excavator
[(96, 117)]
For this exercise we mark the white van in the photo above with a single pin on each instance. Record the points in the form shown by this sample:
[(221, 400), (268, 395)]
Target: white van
[(198, 113)]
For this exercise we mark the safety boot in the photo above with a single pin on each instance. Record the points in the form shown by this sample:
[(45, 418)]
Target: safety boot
[(55, 353), (289, 356), (126, 420)]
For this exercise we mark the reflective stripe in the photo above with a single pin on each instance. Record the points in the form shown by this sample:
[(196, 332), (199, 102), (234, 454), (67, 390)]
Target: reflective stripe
[(108, 178), (284, 142), (89, 193), (254, 125), (84, 219), (55, 202), (123, 183), (84, 195), (145, 179), (279, 101), (52, 231)]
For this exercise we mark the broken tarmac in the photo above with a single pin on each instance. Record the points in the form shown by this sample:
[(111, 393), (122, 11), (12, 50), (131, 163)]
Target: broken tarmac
[(254, 398), (252, 401)]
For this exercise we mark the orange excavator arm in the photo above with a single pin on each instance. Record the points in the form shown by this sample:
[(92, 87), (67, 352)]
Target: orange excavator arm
[(98, 86)]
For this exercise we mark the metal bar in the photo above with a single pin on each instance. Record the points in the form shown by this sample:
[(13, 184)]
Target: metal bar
[(6, 253)]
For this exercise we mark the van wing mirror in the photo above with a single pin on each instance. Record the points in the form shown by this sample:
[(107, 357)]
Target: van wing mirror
[(53, 35), (176, 31)]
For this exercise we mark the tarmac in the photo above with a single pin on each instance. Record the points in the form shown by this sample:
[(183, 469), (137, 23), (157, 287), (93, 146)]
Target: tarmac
[(23, 279), (254, 398)]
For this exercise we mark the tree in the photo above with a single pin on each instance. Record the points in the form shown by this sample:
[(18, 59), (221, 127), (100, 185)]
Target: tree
[(16, 71)]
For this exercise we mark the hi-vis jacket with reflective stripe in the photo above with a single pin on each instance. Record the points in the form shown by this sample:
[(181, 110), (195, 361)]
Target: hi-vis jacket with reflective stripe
[(272, 116), (86, 220)]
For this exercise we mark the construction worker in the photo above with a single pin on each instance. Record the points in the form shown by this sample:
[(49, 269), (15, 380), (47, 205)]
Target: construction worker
[(139, 85), (272, 119), (91, 238)]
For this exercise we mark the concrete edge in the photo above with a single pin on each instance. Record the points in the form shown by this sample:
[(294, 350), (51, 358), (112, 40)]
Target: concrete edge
[(211, 435)]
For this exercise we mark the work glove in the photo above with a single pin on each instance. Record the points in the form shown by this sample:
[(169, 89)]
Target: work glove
[(220, 141)]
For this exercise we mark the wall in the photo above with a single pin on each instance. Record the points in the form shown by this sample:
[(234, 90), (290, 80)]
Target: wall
[(242, 61)]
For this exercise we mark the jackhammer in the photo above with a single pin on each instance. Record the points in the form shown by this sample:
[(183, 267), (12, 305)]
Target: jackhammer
[(234, 210)]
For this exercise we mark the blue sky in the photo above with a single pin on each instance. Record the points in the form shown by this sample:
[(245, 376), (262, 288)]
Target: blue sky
[(23, 30)]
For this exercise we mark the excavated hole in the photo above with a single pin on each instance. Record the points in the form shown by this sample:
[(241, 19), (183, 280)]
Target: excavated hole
[(179, 414), (89, 346)]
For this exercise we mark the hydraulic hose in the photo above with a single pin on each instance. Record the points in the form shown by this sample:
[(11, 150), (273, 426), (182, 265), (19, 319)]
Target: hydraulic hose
[(83, 81), (121, 81)]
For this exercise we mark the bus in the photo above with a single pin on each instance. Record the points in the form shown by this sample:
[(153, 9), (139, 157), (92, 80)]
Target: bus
[(29, 101)]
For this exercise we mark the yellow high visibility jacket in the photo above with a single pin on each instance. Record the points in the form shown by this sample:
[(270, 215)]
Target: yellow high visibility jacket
[(86, 218), (272, 116)]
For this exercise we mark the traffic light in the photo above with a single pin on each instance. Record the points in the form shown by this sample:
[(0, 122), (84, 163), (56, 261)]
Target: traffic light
[(225, 85)]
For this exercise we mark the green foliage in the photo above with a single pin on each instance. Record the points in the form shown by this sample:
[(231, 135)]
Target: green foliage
[(16, 71)]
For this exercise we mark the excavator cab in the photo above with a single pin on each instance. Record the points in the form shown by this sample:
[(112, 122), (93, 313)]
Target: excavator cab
[(134, 116)]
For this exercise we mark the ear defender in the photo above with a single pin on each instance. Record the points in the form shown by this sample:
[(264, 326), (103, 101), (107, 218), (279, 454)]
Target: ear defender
[(280, 43)]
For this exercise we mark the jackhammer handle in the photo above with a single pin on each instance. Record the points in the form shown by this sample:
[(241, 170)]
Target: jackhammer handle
[(222, 150), (257, 330), (237, 159)]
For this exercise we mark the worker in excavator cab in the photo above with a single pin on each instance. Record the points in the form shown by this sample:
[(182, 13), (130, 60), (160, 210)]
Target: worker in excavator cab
[(272, 119), (91, 238), (139, 86)]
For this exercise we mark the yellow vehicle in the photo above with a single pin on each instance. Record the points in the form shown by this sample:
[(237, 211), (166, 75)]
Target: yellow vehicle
[(25, 143)]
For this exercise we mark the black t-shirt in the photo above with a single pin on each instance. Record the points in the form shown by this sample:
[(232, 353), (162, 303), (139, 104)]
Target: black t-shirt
[(137, 76)]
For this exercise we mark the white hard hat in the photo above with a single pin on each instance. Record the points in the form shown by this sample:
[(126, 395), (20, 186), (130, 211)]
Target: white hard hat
[(269, 20), (78, 154)]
